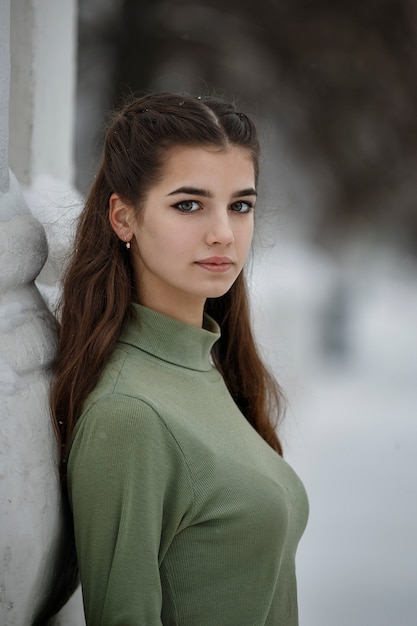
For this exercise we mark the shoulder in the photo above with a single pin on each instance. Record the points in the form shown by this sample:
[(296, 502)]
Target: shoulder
[(125, 420), (125, 436)]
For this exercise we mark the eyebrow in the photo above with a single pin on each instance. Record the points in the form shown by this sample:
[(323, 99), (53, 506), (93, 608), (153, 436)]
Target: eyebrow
[(204, 193)]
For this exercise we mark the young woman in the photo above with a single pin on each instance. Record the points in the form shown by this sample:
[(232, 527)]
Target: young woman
[(184, 511)]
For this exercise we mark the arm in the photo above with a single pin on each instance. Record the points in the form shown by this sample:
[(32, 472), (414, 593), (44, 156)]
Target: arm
[(130, 493)]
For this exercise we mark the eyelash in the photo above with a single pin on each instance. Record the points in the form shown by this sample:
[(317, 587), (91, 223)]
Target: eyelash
[(179, 206), (249, 206)]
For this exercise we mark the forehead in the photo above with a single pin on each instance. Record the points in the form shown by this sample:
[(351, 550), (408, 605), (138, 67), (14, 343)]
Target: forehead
[(208, 164)]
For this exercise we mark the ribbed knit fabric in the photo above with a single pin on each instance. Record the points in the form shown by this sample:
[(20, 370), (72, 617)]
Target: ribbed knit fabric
[(183, 515)]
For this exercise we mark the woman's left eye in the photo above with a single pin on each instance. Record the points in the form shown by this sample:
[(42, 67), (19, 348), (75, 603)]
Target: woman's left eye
[(242, 207), (187, 206)]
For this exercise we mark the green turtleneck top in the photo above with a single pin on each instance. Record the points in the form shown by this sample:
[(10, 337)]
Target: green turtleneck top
[(183, 515)]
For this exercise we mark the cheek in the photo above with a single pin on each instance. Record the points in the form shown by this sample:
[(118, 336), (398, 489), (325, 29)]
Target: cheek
[(180, 240), (245, 237), (155, 238)]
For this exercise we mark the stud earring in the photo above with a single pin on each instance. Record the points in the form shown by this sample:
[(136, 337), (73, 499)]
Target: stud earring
[(128, 245)]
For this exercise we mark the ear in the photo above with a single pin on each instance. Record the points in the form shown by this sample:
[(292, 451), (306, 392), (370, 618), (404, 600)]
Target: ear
[(120, 216)]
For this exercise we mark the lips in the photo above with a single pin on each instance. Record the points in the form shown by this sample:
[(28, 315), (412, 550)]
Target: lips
[(216, 263)]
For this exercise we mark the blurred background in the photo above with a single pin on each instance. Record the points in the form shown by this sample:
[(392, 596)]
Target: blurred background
[(332, 85)]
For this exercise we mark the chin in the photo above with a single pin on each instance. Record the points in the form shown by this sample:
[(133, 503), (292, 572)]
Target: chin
[(218, 293)]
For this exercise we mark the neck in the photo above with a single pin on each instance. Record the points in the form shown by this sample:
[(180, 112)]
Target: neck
[(184, 310), (172, 340)]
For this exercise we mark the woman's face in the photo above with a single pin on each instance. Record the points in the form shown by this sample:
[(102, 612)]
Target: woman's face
[(194, 230)]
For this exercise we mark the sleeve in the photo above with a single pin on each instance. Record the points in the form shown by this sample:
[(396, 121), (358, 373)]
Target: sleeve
[(130, 494)]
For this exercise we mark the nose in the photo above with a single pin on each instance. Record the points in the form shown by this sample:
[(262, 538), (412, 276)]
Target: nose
[(220, 230)]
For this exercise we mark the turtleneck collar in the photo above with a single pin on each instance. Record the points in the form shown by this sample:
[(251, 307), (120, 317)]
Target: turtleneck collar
[(171, 340)]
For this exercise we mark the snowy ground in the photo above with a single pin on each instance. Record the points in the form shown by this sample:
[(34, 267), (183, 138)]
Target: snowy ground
[(343, 342)]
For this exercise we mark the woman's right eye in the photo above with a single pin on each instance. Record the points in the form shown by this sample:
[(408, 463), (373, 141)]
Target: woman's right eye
[(187, 206)]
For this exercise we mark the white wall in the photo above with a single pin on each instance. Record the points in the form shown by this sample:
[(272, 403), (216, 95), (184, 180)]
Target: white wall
[(43, 69), (4, 94), (42, 89)]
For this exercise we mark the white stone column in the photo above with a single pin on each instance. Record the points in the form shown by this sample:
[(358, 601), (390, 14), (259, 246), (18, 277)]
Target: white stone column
[(4, 94), (30, 506), (42, 90), (42, 104)]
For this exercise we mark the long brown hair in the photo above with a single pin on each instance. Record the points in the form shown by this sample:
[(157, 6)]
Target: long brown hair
[(99, 287)]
